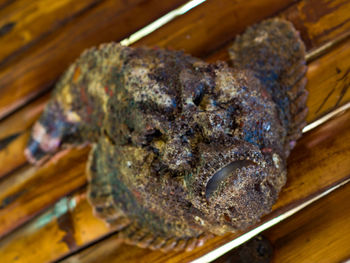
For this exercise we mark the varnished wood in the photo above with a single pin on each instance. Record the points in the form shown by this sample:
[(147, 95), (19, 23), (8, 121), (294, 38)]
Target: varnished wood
[(12, 154), (22, 119), (212, 24), (25, 194), (24, 24), (331, 75), (14, 157), (77, 228), (320, 233), (60, 230), (16, 147), (320, 22), (36, 69)]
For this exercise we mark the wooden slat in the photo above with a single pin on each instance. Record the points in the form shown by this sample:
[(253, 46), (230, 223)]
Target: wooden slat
[(98, 234), (320, 233), (68, 224), (30, 190), (331, 74), (216, 22), (320, 21), (12, 154), (15, 148), (22, 119), (212, 24), (37, 68), (24, 23)]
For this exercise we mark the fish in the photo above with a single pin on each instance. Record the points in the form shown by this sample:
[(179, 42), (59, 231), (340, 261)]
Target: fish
[(182, 149)]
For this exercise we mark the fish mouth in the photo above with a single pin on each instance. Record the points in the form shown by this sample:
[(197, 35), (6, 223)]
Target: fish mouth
[(222, 174)]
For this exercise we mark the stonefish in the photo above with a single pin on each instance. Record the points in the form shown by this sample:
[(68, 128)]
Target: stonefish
[(181, 149)]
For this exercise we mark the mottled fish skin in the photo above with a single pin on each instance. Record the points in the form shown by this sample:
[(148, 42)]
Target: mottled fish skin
[(182, 149)]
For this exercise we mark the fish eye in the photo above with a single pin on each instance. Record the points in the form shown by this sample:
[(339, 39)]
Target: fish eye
[(222, 174)]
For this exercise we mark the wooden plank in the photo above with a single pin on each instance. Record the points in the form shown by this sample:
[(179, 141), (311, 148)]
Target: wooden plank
[(319, 233), (101, 234), (22, 119), (33, 189), (212, 24), (13, 155), (38, 67), (319, 21), (331, 74), (67, 213), (23, 23), (321, 157)]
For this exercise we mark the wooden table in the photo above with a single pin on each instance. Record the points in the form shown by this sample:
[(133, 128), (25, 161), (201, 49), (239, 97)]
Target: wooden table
[(44, 215)]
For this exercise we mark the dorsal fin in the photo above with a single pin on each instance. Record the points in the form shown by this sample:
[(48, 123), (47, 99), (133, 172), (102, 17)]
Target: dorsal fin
[(275, 53)]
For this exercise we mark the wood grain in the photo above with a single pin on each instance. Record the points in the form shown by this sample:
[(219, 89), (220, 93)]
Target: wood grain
[(217, 22), (319, 233), (331, 75), (24, 23), (319, 162), (36, 69), (23, 118), (27, 191), (212, 24), (60, 230), (12, 154), (33, 189), (320, 22)]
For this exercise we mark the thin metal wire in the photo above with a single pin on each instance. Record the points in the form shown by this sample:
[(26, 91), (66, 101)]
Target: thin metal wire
[(160, 22), (214, 254), (326, 117)]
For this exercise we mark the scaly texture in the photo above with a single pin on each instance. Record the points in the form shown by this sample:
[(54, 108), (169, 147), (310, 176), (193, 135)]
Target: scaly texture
[(182, 149)]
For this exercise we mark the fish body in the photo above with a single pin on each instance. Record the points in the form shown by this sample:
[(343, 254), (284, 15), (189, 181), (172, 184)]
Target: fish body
[(181, 149)]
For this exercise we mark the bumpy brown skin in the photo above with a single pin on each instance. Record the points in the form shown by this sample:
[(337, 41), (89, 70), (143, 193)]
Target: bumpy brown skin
[(181, 148)]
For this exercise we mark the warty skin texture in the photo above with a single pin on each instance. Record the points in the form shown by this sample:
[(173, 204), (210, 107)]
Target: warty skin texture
[(182, 149)]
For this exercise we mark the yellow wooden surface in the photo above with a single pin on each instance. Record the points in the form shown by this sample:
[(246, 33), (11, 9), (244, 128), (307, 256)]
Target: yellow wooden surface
[(51, 199), (320, 233)]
